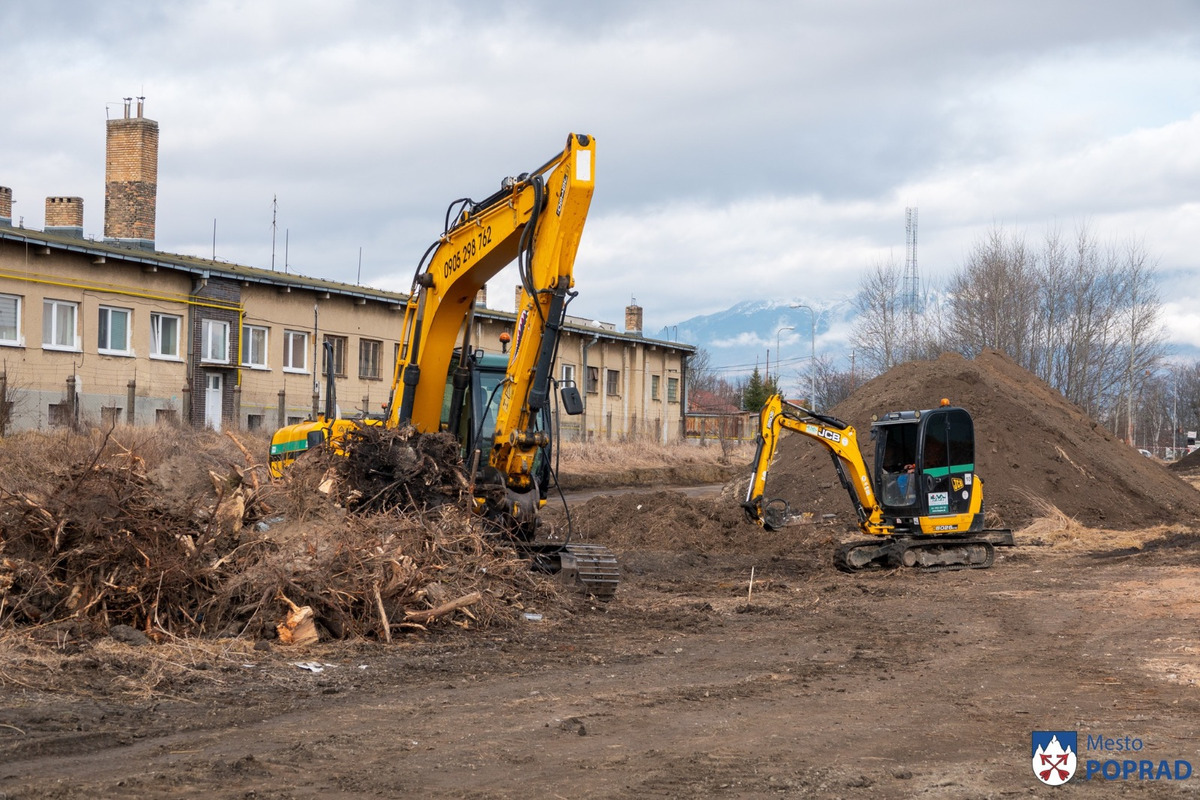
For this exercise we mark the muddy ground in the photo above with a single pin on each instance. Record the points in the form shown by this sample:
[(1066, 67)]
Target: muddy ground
[(815, 683), (733, 662)]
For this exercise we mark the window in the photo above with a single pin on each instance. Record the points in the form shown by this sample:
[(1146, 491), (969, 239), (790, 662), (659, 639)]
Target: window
[(164, 335), (166, 416), (58, 325), (369, 351), (654, 388), (10, 319), (110, 416), (295, 351), (593, 380), (214, 341), (672, 390), (254, 422), (338, 343), (568, 374), (113, 333), (612, 382), (254, 346)]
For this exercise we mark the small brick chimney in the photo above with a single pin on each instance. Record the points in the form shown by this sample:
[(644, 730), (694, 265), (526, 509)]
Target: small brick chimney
[(5, 207), (517, 301), (633, 318), (131, 179), (481, 297), (64, 215)]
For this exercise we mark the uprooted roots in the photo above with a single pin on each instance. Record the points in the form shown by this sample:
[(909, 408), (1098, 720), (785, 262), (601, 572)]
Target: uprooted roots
[(112, 538)]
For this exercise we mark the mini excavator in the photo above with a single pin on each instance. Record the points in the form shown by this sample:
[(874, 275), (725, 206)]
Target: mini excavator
[(924, 508), (497, 406)]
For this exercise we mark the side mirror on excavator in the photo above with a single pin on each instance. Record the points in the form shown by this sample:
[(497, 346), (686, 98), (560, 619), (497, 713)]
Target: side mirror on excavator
[(572, 401)]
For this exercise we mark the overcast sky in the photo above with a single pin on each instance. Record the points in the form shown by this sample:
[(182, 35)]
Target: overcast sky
[(745, 150)]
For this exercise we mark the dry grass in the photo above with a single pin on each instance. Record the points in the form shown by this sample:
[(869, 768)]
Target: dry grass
[(1054, 528)]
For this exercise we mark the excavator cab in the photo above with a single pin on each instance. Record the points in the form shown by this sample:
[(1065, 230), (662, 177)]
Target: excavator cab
[(474, 419), (925, 469)]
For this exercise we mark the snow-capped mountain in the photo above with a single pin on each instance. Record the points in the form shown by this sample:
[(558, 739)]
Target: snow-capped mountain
[(746, 335)]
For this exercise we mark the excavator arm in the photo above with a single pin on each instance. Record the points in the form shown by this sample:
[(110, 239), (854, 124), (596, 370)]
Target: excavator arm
[(839, 438), (537, 219)]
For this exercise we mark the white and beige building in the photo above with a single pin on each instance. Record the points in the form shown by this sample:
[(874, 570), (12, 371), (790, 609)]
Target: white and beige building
[(103, 331)]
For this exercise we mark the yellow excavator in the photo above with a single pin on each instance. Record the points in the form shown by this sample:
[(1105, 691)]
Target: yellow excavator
[(499, 408), (923, 509)]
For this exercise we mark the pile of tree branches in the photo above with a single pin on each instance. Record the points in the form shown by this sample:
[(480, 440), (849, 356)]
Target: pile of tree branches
[(95, 543)]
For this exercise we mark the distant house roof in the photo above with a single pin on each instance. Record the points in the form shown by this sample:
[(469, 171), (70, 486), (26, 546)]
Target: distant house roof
[(702, 401)]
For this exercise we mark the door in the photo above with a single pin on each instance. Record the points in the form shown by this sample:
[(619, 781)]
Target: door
[(948, 461), (214, 384)]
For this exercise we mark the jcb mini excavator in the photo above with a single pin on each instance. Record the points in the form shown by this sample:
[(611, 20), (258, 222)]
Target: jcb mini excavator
[(923, 509), (498, 407)]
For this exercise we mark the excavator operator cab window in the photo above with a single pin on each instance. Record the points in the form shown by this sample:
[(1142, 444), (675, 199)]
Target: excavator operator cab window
[(896, 458)]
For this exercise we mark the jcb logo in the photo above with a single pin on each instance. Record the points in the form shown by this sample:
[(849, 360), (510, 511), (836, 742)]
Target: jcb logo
[(825, 433), (956, 484)]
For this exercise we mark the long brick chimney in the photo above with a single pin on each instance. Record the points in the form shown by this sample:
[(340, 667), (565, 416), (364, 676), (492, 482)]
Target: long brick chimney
[(64, 215), (5, 207), (131, 179)]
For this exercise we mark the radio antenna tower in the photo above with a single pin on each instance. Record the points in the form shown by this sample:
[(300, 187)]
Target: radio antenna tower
[(912, 276)]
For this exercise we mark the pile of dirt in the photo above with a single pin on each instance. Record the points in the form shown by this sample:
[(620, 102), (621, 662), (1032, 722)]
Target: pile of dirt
[(1034, 450), (1188, 465), (180, 533), (634, 524)]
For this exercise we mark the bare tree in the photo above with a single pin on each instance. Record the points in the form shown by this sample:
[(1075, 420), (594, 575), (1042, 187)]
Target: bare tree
[(701, 374), (877, 333), (1083, 318), (993, 298), (833, 385)]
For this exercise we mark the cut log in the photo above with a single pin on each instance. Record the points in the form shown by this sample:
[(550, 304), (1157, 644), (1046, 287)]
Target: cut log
[(299, 628), (423, 617)]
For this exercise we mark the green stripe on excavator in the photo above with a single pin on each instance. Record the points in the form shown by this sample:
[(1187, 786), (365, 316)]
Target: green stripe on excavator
[(941, 472), (289, 447)]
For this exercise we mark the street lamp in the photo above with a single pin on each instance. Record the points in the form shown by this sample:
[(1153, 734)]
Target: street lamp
[(812, 375), (778, 355)]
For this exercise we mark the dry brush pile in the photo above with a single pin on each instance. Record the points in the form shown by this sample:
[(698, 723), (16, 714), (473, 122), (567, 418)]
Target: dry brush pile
[(181, 533)]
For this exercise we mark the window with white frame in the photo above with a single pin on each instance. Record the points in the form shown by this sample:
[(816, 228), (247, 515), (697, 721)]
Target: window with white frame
[(112, 333), (672, 390), (214, 341), (164, 335), (10, 319), (295, 351), (654, 387), (254, 346), (568, 374), (59, 328)]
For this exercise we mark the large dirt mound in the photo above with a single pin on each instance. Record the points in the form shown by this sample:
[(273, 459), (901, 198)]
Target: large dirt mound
[(1033, 449)]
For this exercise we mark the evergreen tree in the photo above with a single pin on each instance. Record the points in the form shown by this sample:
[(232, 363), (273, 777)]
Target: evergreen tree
[(758, 390)]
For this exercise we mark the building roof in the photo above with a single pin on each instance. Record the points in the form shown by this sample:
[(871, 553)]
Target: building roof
[(205, 268)]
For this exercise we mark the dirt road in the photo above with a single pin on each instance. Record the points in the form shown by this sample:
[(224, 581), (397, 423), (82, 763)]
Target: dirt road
[(816, 684)]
